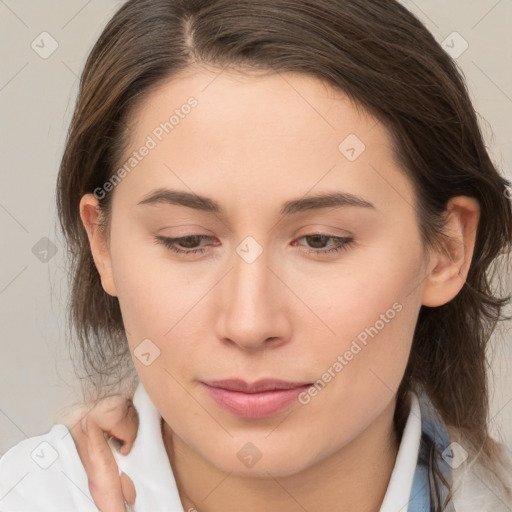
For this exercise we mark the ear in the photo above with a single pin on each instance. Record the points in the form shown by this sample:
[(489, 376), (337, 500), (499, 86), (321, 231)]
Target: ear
[(449, 264), (91, 216)]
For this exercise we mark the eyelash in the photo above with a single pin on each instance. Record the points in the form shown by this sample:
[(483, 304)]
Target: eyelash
[(170, 243)]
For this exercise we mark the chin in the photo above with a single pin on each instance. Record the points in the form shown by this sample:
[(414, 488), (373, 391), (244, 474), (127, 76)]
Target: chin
[(259, 459)]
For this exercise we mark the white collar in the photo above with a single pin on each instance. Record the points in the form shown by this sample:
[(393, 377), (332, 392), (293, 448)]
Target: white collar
[(148, 465), (399, 488)]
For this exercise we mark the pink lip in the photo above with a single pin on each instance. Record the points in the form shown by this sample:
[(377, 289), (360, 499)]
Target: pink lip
[(257, 400)]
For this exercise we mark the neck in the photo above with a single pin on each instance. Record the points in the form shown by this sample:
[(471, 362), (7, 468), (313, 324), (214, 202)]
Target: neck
[(355, 477)]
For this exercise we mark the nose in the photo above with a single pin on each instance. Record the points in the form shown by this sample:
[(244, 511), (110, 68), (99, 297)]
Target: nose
[(252, 308)]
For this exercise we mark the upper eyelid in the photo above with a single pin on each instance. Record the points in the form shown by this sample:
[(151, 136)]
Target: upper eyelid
[(203, 236), (310, 229)]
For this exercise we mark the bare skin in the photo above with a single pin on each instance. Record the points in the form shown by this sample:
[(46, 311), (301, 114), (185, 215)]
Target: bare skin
[(251, 144)]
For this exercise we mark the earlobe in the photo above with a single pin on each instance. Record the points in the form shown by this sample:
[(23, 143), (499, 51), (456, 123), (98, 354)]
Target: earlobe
[(450, 263), (91, 216)]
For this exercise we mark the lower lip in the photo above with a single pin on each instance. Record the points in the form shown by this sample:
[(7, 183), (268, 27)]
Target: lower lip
[(254, 405)]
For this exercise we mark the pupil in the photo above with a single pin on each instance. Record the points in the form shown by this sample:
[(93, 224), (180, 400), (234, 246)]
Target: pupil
[(318, 239), (190, 241)]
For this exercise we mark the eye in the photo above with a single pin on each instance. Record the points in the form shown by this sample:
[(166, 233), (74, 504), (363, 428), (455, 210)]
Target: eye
[(187, 245), (188, 241), (319, 240)]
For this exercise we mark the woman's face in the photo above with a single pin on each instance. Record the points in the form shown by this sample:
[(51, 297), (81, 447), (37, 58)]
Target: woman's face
[(268, 296)]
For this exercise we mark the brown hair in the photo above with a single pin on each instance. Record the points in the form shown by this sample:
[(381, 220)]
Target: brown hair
[(383, 58)]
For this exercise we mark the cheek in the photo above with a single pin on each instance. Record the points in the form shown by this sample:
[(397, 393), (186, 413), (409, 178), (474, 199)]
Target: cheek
[(366, 287), (154, 295), (370, 305), (156, 303), (359, 370)]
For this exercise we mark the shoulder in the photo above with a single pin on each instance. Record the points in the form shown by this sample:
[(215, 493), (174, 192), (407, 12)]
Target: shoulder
[(476, 486), (44, 473), (477, 481)]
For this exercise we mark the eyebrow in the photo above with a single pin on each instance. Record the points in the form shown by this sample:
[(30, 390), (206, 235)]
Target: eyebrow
[(206, 204)]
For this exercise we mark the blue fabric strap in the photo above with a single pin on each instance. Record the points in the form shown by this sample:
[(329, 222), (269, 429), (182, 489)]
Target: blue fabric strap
[(433, 430)]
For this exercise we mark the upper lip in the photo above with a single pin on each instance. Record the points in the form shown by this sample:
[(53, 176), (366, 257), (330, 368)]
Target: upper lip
[(254, 387)]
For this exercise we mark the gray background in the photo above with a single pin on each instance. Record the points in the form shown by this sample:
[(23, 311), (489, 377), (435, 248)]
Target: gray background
[(37, 98)]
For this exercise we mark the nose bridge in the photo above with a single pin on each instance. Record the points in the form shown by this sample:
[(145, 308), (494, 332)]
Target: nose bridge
[(249, 309), (249, 281)]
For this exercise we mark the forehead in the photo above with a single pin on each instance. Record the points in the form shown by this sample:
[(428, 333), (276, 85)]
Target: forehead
[(263, 103), (214, 130)]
